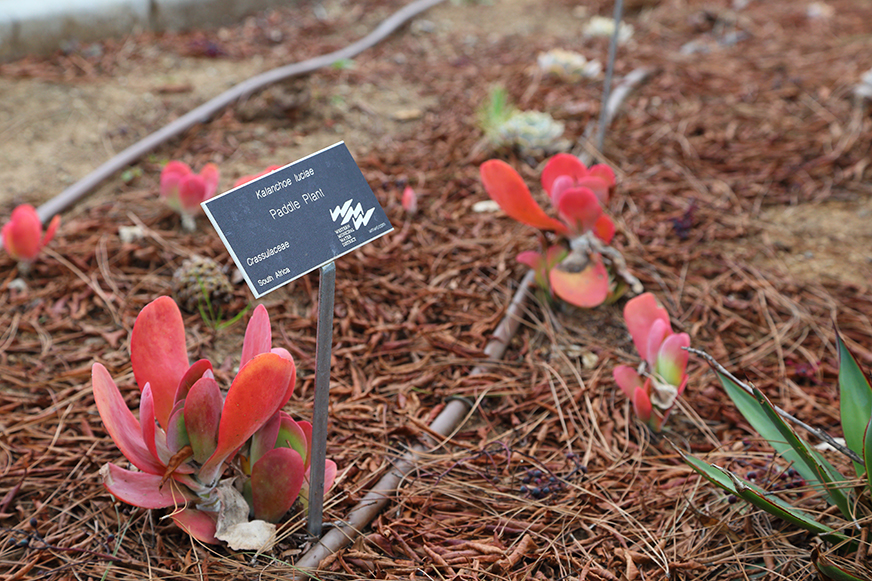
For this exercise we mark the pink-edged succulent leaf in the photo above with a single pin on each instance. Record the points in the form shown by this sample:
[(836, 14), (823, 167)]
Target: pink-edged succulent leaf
[(198, 369), (604, 228), (22, 234), (248, 178), (51, 230), (123, 428), (658, 333), (285, 354), (506, 187), (642, 405), (177, 433), (410, 201), (147, 422), (265, 438), (202, 417), (580, 209), (542, 264), (170, 177), (200, 524), (258, 335), (672, 359), (276, 480), (586, 288), (256, 393), (640, 313), (211, 176), (158, 353), (597, 185), (628, 379), (143, 489), (330, 471), (604, 172), (192, 191), (294, 435), (536, 262), (307, 432), (562, 164)]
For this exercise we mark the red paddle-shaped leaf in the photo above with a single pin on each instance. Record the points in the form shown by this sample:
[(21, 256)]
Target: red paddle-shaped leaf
[(330, 471), (658, 332), (255, 395), (307, 432), (562, 164), (265, 438), (276, 480), (580, 209), (123, 428), (642, 404), (503, 184), (171, 175), (52, 228), (197, 370), (604, 228), (628, 379), (640, 314), (672, 358), (211, 176), (158, 353), (177, 434), (21, 234), (202, 415), (258, 336), (192, 191), (587, 288), (144, 490), (285, 354), (200, 524), (293, 435), (146, 420), (604, 172)]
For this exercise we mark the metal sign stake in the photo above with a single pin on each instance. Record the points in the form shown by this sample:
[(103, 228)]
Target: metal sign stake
[(323, 346)]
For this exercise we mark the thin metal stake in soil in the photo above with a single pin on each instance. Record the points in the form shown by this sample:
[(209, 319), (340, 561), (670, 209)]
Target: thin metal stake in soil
[(323, 347), (610, 70)]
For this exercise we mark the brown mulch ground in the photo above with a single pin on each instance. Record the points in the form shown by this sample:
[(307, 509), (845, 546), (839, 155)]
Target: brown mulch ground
[(701, 150)]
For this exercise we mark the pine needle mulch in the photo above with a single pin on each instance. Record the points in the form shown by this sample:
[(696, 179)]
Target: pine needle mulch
[(550, 477)]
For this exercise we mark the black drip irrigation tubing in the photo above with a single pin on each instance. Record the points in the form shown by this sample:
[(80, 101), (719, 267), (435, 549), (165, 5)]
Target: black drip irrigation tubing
[(207, 110)]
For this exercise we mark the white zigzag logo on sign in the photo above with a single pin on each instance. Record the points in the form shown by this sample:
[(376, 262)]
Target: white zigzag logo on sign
[(356, 214)]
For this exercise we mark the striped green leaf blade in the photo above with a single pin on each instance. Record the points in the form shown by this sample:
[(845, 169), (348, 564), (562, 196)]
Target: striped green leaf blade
[(833, 482), (783, 510), (855, 400), (831, 571), (867, 453), (754, 413), (711, 473)]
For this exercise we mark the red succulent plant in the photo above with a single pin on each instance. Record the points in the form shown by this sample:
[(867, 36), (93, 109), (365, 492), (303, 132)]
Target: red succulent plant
[(188, 431), (577, 193)]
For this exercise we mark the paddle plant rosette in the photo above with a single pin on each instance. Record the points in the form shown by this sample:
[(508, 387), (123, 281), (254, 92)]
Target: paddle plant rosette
[(188, 432), (184, 190), (23, 237), (661, 378), (572, 264)]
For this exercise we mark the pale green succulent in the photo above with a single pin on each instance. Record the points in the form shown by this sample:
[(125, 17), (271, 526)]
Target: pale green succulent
[(532, 132)]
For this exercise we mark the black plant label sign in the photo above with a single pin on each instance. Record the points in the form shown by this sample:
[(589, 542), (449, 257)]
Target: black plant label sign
[(298, 218)]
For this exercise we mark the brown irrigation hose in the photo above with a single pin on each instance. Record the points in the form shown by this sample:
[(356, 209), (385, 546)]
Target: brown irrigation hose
[(448, 421), (205, 111)]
